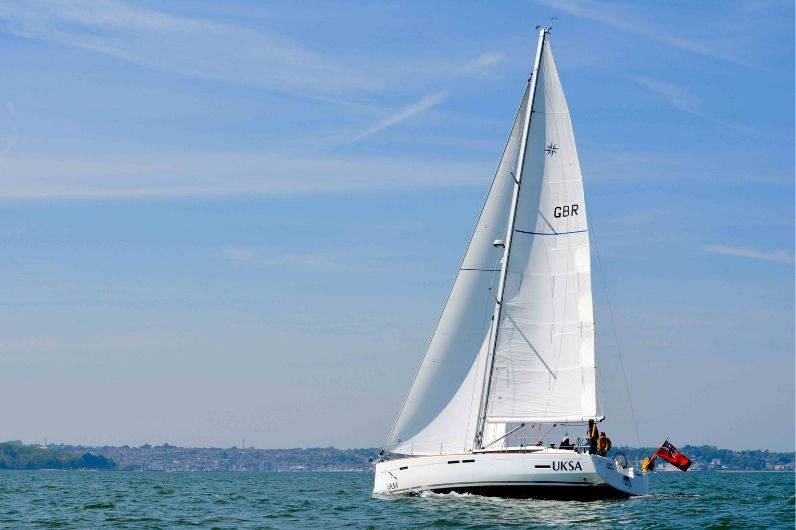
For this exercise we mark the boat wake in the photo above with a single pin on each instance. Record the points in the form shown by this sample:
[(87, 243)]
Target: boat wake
[(452, 495)]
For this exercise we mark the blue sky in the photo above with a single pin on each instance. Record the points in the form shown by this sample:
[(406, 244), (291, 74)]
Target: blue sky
[(239, 220)]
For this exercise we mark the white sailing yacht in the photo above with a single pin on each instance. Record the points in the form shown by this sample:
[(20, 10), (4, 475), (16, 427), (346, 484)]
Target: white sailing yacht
[(514, 346)]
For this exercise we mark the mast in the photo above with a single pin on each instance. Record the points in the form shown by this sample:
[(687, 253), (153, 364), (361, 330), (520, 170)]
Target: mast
[(533, 81)]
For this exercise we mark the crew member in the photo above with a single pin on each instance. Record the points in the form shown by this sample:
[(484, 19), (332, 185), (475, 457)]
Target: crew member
[(601, 444), (566, 444), (592, 434)]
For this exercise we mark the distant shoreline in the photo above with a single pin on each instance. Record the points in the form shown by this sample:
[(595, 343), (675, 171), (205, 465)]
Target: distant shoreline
[(169, 458)]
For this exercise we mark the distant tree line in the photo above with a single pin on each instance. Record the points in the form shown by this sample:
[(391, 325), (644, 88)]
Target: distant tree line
[(15, 455), (714, 458)]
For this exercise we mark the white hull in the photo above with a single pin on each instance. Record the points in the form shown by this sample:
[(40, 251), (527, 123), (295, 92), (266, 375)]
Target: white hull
[(545, 473)]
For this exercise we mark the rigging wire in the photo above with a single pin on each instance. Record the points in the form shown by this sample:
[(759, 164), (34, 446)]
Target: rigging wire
[(613, 328)]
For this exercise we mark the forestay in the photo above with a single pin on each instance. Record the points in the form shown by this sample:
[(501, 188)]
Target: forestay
[(440, 412), (544, 362)]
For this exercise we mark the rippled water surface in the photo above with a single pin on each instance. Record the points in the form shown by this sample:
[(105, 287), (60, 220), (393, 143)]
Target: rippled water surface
[(75, 499)]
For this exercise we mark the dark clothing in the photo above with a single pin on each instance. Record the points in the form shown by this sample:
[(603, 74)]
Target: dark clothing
[(592, 435)]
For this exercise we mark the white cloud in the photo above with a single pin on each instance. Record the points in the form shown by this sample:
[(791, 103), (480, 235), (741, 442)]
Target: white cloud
[(481, 65), (602, 12), (13, 136), (188, 46), (679, 98), (224, 173), (250, 256), (778, 255), (675, 95), (240, 254), (425, 103)]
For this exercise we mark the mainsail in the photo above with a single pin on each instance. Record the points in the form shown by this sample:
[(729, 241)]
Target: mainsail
[(537, 364), (544, 364)]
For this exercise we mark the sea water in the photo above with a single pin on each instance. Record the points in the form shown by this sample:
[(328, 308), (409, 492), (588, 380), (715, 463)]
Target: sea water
[(78, 499)]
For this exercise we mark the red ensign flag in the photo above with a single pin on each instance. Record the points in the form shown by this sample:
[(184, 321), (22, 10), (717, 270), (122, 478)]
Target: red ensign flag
[(670, 453)]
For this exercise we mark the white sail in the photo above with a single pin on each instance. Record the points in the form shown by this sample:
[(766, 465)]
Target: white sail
[(455, 427), (544, 362), (421, 425), (533, 332)]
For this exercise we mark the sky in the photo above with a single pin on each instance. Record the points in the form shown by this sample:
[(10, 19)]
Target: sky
[(239, 221)]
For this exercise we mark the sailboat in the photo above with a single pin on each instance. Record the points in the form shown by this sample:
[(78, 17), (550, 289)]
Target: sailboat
[(513, 350)]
